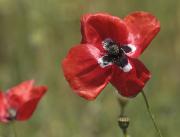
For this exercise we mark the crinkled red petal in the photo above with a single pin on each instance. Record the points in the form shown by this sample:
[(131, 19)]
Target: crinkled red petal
[(129, 84), (97, 27), (27, 108), (82, 71), (143, 28), (18, 94)]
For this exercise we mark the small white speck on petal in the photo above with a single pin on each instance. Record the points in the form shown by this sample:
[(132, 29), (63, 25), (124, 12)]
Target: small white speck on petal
[(127, 68)]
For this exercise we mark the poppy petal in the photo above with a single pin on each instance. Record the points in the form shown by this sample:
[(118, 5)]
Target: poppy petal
[(143, 28), (19, 93), (129, 84), (81, 69), (3, 108), (26, 110), (21, 88), (95, 28)]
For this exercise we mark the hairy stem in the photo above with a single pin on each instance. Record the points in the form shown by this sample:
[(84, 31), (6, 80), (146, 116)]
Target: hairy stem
[(151, 114)]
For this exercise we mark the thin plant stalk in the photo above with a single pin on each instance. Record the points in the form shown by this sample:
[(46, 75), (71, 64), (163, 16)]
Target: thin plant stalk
[(125, 133), (122, 103), (14, 129), (151, 114), (123, 120)]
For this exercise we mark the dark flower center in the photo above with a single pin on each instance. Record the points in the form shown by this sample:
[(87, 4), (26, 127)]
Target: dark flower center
[(116, 53)]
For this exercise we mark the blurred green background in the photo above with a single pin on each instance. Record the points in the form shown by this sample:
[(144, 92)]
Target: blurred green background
[(35, 35)]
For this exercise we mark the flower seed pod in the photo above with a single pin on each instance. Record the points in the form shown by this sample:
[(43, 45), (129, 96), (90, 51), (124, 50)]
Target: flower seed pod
[(123, 122)]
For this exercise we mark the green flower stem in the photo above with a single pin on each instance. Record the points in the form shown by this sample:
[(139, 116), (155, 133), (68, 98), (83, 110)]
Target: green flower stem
[(123, 120), (122, 103), (125, 133), (151, 115), (14, 129)]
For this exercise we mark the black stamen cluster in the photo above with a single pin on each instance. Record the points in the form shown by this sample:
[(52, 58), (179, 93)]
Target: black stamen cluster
[(115, 53)]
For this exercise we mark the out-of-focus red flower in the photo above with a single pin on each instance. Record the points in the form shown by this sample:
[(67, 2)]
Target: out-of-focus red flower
[(19, 102), (108, 53)]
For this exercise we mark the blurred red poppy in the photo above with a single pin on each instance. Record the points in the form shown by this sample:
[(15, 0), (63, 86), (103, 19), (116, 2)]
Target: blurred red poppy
[(108, 53), (19, 102)]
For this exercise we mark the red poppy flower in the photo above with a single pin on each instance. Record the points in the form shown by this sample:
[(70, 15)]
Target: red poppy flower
[(108, 53), (19, 102)]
